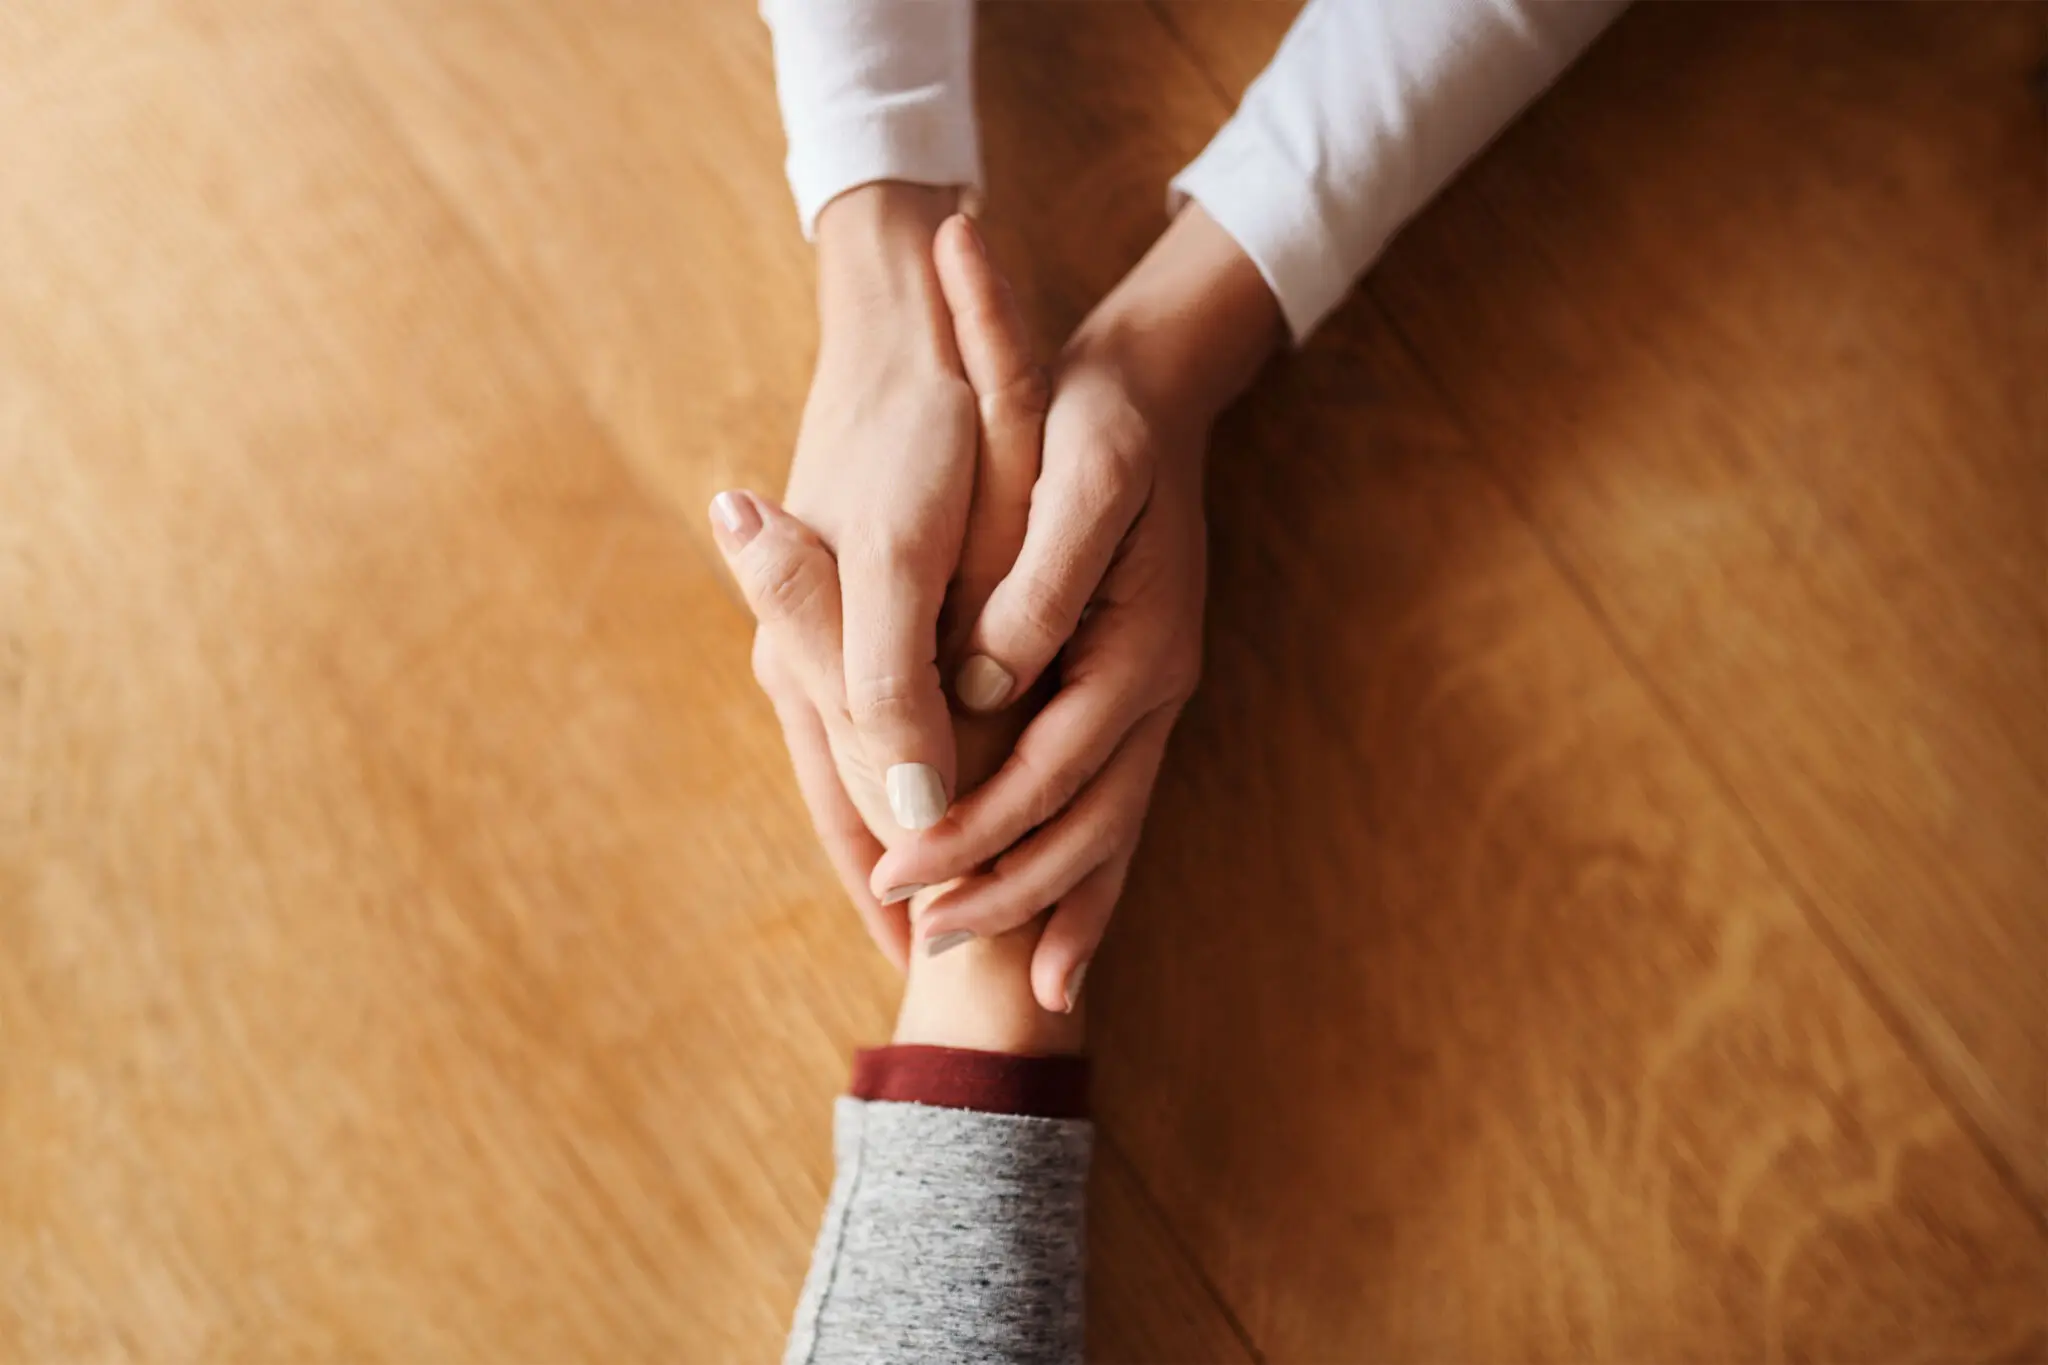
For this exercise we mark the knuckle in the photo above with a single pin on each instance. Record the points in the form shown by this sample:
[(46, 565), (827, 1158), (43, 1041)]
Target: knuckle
[(1121, 453), (1023, 398), (888, 698), (892, 553), (1117, 827), (785, 587), (1121, 835), (1054, 785), (1105, 841), (1174, 664), (1044, 618), (1105, 482), (1182, 676), (1127, 825)]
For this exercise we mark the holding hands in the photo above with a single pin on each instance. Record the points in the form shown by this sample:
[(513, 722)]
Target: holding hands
[(852, 583), (929, 530)]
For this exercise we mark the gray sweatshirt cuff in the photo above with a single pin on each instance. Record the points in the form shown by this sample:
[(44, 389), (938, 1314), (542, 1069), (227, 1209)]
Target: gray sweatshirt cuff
[(950, 1236)]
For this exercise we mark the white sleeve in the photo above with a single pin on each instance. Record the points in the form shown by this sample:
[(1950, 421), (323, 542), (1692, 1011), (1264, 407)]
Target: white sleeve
[(1368, 108), (874, 90)]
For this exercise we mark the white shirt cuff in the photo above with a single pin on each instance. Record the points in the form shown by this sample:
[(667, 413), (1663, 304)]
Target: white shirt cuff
[(1364, 113), (874, 90), (918, 144), (1245, 181)]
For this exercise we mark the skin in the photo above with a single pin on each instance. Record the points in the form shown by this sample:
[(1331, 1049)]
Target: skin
[(977, 995), (884, 473)]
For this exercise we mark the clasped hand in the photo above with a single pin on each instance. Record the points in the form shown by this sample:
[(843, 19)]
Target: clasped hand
[(979, 610)]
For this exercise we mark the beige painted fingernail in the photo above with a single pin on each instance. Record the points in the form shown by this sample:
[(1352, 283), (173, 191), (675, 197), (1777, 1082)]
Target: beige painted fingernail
[(916, 796), (737, 513), (946, 943), (1074, 986), (902, 893), (983, 684)]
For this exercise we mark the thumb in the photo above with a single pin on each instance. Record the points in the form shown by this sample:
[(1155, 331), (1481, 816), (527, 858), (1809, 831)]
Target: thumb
[(892, 685), (1084, 502), (791, 584), (786, 574)]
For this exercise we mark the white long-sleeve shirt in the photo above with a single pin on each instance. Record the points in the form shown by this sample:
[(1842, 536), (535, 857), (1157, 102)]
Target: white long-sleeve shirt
[(1366, 110)]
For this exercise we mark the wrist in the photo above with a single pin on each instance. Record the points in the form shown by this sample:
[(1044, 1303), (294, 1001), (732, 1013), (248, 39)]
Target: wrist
[(1192, 322), (878, 289), (978, 996)]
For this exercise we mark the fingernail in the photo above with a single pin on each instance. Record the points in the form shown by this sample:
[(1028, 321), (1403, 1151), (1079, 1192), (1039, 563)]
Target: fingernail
[(916, 796), (947, 942), (1074, 986), (901, 893), (983, 684), (737, 514)]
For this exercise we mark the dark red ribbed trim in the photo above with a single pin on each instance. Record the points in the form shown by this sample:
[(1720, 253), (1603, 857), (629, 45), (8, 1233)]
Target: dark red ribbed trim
[(956, 1078)]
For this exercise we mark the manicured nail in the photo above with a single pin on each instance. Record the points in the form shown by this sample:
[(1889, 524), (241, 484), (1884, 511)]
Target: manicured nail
[(983, 684), (916, 796), (946, 943), (901, 893), (1074, 986), (737, 514)]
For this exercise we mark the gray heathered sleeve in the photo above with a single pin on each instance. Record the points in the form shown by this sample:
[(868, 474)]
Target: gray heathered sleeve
[(950, 1236)]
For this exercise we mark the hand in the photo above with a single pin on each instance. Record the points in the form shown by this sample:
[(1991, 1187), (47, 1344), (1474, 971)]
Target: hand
[(794, 586), (1116, 531), (976, 994), (883, 472)]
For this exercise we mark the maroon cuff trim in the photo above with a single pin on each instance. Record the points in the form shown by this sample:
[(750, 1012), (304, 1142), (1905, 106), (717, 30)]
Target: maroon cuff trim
[(956, 1078)]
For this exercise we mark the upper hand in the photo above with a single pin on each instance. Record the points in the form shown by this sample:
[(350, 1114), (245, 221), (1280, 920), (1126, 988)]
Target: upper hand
[(1110, 582), (1116, 529), (884, 473)]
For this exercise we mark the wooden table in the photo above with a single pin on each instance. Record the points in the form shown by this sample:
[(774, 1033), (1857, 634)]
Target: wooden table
[(1596, 908)]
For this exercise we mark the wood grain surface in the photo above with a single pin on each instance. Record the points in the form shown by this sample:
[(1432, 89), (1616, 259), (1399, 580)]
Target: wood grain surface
[(1592, 911), (1780, 405)]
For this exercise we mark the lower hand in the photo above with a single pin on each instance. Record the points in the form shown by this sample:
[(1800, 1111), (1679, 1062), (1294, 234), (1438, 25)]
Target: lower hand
[(806, 609), (883, 473)]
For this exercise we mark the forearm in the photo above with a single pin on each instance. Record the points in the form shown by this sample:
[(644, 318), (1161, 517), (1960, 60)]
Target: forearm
[(950, 1235), (1190, 325), (956, 1223), (878, 291)]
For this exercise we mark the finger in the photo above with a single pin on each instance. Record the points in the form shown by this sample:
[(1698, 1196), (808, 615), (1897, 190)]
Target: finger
[(849, 846), (1102, 824), (995, 350), (1073, 934), (1011, 395), (892, 682), (1084, 501), (790, 582), (1062, 748)]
